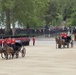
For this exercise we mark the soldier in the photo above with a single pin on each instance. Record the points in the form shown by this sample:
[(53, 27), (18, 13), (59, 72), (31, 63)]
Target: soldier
[(9, 41), (33, 39), (0, 42), (4, 41), (64, 36), (13, 41)]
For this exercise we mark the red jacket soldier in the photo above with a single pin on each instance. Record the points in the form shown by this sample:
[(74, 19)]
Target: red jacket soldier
[(64, 35), (33, 39), (0, 41), (13, 41), (9, 41)]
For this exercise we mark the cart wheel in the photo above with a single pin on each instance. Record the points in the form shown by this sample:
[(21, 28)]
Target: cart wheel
[(72, 43), (17, 54), (23, 52)]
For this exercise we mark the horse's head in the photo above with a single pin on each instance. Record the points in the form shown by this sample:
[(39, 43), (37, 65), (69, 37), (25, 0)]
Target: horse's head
[(57, 38)]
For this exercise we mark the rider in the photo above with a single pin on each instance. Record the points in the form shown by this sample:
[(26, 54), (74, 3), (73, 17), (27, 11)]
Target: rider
[(9, 41), (4, 41), (13, 42), (64, 36)]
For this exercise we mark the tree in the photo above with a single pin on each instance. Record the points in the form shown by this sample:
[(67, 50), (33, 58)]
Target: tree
[(63, 11), (52, 11), (25, 12)]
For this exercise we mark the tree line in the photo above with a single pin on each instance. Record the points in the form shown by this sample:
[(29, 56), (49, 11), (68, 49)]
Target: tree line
[(36, 13)]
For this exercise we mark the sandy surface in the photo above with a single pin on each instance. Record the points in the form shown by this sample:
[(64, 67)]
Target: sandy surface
[(42, 59)]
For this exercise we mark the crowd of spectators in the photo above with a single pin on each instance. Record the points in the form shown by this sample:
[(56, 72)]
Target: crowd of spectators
[(45, 30)]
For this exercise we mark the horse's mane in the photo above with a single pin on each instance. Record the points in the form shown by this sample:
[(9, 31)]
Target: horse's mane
[(6, 47)]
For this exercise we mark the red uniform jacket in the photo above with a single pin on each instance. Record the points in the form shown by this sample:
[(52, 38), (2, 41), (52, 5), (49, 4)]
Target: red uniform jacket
[(13, 41), (9, 41), (33, 39), (64, 35)]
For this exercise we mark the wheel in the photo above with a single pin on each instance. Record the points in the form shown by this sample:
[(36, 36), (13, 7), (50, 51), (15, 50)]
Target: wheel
[(23, 52), (72, 43), (17, 54), (59, 46), (6, 56), (67, 45)]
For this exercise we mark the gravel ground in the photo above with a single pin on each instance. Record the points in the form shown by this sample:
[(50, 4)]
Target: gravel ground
[(42, 59)]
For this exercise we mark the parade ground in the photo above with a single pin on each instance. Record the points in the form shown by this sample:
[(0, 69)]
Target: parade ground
[(42, 59)]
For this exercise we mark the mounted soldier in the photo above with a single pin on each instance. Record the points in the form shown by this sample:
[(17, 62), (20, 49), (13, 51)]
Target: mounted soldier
[(64, 37)]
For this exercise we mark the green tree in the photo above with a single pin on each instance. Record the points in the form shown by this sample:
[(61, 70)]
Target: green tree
[(25, 12), (52, 11)]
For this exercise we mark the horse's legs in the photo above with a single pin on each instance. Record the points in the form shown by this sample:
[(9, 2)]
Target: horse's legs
[(12, 55), (59, 45), (56, 45), (2, 55), (67, 45), (63, 46), (17, 54), (6, 56)]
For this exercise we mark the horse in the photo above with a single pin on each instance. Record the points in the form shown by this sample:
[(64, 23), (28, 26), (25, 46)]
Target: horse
[(8, 51), (61, 42), (2, 51)]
